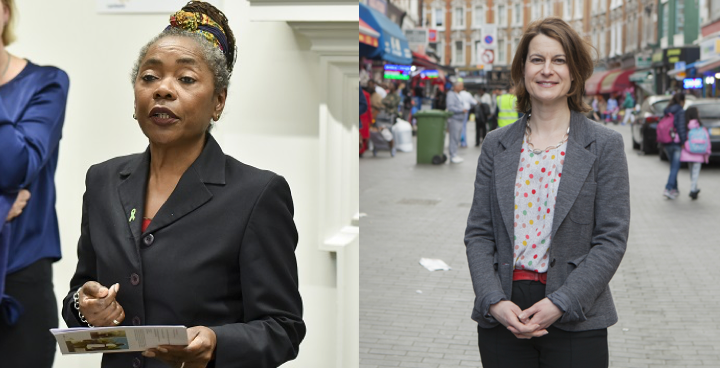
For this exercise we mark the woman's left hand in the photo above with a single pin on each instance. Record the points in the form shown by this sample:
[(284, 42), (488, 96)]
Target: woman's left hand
[(543, 313), (198, 353)]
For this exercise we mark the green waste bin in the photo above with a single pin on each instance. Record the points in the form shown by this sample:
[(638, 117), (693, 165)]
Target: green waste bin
[(431, 136)]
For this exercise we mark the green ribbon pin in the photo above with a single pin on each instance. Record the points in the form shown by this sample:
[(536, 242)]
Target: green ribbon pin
[(132, 215)]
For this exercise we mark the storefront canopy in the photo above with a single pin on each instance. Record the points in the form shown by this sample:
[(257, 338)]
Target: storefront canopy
[(639, 77), (392, 44), (708, 65), (592, 85), (368, 35), (425, 62), (616, 81)]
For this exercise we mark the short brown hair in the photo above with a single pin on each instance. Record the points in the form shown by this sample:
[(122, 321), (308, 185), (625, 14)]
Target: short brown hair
[(8, 36), (579, 60)]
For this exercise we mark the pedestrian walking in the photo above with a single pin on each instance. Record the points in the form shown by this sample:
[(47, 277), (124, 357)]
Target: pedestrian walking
[(468, 104), (482, 115), (550, 216), (696, 149), (507, 114), (672, 149), (629, 105), (612, 109), (455, 122), (596, 103)]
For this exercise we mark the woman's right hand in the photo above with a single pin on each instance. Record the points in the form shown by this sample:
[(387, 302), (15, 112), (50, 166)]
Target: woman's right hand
[(98, 304), (20, 202), (506, 312)]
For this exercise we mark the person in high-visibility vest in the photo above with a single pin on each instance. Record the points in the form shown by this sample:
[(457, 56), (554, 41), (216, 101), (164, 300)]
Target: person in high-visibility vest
[(506, 108)]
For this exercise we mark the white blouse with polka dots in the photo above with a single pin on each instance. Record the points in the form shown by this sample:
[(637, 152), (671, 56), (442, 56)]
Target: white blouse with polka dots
[(536, 185)]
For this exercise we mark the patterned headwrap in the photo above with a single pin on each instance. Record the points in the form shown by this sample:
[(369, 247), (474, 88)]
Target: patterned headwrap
[(202, 24)]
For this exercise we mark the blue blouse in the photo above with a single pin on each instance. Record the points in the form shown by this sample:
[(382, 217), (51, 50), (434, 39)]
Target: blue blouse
[(32, 113)]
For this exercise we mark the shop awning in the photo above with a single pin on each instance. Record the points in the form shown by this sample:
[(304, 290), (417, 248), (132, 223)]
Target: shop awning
[(616, 81), (392, 44), (639, 77), (425, 62), (368, 35), (708, 65), (592, 85)]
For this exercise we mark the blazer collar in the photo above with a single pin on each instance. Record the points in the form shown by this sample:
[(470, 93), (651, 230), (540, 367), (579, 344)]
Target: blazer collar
[(190, 193), (577, 165)]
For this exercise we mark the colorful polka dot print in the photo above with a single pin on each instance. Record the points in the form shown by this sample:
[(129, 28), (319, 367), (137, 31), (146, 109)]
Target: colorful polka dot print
[(533, 226)]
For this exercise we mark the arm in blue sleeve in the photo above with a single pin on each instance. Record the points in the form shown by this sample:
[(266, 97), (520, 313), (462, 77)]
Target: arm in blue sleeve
[(28, 143)]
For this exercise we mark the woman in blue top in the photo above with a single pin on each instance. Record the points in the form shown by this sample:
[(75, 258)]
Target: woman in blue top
[(32, 111), (674, 149)]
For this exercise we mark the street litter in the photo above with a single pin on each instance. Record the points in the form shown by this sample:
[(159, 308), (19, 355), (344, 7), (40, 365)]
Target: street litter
[(433, 264)]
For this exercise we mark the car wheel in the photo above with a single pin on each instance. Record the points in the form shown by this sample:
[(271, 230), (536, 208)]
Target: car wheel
[(636, 145), (645, 146)]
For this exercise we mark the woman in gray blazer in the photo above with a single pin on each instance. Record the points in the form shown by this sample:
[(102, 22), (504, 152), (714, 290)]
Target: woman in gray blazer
[(183, 234), (549, 221)]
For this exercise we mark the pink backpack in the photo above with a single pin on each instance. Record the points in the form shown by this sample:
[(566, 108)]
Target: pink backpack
[(666, 129)]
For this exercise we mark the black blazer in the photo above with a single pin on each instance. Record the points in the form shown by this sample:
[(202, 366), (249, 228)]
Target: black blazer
[(219, 253)]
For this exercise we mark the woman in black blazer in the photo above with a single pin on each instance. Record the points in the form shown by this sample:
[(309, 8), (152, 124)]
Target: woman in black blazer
[(183, 234)]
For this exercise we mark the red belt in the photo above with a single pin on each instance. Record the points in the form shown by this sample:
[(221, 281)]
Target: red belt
[(529, 275)]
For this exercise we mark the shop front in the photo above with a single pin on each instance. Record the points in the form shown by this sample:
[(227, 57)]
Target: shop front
[(669, 66)]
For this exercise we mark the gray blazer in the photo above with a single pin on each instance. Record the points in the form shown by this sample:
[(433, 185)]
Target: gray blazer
[(589, 232)]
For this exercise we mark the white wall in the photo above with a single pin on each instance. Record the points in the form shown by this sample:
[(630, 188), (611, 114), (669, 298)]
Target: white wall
[(270, 121)]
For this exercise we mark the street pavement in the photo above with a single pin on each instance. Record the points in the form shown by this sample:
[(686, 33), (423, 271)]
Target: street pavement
[(665, 290)]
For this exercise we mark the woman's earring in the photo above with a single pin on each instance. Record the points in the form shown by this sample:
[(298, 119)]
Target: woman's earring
[(134, 117)]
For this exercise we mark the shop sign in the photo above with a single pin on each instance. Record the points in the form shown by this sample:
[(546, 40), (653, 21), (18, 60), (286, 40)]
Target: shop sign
[(673, 55), (657, 57), (642, 62), (709, 48), (417, 39)]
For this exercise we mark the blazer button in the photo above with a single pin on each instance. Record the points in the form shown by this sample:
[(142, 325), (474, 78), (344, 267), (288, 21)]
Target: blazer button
[(136, 321), (134, 279), (149, 239), (137, 363), (552, 263)]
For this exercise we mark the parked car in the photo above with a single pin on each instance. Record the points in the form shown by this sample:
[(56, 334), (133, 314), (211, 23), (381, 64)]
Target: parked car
[(709, 111), (645, 123)]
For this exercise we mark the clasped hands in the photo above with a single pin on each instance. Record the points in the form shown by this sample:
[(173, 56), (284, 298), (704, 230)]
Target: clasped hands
[(99, 306), (529, 323)]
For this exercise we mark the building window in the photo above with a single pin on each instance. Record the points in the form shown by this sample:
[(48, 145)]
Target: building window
[(517, 16), (501, 51), (501, 16), (439, 18), (459, 18), (679, 16), (547, 8), (459, 58), (535, 9), (478, 16), (476, 54), (567, 4), (578, 8), (515, 44), (602, 44), (666, 19)]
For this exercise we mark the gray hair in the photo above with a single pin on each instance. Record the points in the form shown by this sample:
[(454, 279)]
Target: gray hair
[(213, 56)]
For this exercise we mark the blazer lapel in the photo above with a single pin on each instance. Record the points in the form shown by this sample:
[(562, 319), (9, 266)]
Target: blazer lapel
[(505, 166), (132, 191), (578, 163), (191, 191)]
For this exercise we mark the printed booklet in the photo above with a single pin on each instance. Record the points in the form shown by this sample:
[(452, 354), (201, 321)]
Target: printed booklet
[(123, 339)]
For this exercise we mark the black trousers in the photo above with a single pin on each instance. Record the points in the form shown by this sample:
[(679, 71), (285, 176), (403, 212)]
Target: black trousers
[(480, 131), (29, 343), (499, 348)]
